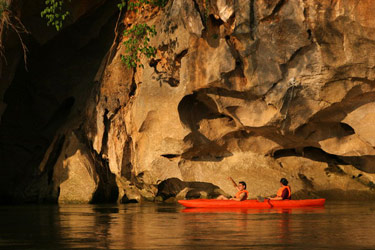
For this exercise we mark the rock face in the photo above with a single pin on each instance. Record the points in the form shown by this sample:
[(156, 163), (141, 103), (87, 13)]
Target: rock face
[(256, 90)]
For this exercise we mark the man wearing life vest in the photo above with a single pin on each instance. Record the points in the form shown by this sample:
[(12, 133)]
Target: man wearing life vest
[(284, 192), (242, 193)]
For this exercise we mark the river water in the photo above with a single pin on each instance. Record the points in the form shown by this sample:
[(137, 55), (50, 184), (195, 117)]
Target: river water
[(339, 225)]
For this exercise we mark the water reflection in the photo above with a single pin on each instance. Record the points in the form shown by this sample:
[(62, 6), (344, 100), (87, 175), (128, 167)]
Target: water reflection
[(152, 226)]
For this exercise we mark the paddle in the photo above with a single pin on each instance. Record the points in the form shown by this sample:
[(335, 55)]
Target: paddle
[(261, 199), (234, 183)]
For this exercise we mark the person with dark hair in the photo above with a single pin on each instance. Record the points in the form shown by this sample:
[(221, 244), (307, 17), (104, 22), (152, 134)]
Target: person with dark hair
[(284, 192), (242, 193)]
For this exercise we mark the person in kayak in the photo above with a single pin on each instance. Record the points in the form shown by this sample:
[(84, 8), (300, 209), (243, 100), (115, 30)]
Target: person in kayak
[(242, 193), (283, 193)]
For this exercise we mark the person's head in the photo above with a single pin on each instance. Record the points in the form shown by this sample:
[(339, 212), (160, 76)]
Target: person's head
[(284, 181), (242, 185)]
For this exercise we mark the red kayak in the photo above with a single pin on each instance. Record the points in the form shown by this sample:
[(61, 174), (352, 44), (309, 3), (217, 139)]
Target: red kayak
[(213, 203)]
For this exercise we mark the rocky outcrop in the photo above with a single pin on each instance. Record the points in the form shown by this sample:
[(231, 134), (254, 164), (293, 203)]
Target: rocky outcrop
[(173, 188), (256, 90)]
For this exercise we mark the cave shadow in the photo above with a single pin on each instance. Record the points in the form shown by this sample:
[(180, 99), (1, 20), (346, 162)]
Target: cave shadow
[(40, 101)]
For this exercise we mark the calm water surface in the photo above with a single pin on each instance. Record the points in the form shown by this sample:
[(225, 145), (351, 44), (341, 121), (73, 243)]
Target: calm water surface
[(340, 225)]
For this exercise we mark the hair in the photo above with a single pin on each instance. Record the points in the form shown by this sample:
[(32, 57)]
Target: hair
[(284, 181), (243, 183)]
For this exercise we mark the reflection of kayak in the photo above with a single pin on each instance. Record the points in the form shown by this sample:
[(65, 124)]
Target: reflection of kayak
[(212, 203), (238, 210)]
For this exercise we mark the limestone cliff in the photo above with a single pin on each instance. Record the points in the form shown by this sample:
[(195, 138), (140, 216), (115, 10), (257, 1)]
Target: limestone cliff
[(256, 90)]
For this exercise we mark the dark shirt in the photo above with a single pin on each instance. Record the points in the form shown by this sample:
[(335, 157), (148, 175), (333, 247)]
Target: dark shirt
[(285, 194)]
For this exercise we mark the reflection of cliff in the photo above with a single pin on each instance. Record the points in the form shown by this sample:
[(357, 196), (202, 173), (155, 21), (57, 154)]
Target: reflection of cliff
[(252, 89)]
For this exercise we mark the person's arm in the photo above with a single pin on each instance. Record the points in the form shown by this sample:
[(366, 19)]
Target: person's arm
[(234, 183), (283, 196), (239, 198), (271, 196), (277, 198)]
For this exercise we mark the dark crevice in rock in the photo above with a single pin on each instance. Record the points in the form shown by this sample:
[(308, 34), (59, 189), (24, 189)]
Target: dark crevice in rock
[(210, 158), (363, 163), (285, 153), (170, 156), (243, 95), (361, 79), (347, 128), (107, 125), (252, 20), (133, 87), (173, 82), (153, 63), (312, 153), (309, 34), (275, 11), (179, 56)]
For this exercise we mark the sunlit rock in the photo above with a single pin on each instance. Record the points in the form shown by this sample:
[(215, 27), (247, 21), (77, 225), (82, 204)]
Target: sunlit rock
[(362, 120), (75, 175), (255, 90)]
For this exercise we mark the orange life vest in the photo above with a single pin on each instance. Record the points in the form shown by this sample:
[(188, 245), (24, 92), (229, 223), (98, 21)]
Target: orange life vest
[(281, 190), (240, 192)]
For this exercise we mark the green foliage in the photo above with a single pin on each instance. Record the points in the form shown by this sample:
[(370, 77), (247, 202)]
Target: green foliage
[(122, 4), (138, 43), (54, 13), (133, 5), (139, 35), (3, 7), (137, 3)]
